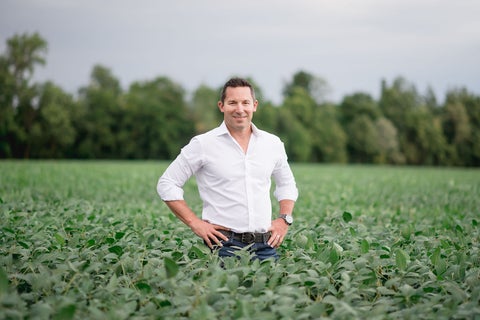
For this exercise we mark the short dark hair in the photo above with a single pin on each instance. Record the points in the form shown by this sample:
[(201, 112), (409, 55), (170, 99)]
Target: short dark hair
[(234, 83)]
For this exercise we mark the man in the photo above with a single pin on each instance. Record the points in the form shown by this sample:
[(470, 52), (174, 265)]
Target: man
[(233, 165)]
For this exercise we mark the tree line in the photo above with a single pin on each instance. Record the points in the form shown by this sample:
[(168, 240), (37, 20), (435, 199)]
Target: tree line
[(153, 119)]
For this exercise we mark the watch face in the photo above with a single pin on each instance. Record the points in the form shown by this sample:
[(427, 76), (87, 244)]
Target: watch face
[(289, 219)]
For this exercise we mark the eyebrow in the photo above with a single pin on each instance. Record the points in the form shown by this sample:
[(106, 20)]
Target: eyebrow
[(235, 100)]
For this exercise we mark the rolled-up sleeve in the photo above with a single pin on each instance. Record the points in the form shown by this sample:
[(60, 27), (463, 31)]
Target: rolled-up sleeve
[(170, 185), (285, 185)]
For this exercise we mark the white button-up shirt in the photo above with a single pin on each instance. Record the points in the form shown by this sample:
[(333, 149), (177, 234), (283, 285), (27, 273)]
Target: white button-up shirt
[(233, 185)]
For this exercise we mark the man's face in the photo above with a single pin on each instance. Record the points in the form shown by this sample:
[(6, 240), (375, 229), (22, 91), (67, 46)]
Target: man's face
[(238, 108)]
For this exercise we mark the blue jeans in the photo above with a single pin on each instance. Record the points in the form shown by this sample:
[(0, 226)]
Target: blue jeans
[(260, 250)]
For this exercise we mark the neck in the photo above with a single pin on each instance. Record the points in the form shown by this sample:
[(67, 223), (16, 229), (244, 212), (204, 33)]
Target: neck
[(242, 136), (240, 133)]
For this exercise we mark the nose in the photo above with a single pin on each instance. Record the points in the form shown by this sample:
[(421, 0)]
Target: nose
[(239, 108)]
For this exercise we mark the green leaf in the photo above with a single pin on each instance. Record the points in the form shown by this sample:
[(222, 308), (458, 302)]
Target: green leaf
[(438, 262), (232, 282), (144, 287), (116, 249), (8, 230), (316, 310), (406, 231), (171, 267), (3, 281), (196, 252), (353, 232), (401, 258), (177, 255), (65, 313), (333, 258), (347, 216), (112, 283), (119, 235), (364, 246), (23, 244), (59, 238), (435, 255)]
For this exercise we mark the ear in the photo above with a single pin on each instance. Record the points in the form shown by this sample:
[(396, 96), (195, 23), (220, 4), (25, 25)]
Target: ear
[(220, 106), (255, 105)]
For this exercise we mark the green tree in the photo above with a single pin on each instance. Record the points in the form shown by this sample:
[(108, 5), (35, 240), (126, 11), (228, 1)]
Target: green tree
[(206, 114), (266, 117), (9, 129), (423, 139), (329, 140), (431, 102), (358, 104), (301, 105), (457, 130), (359, 113), (464, 135), (419, 129), (456, 123), (17, 94), (100, 115), (158, 120), (362, 139), (53, 132), (295, 123), (317, 87), (387, 143), (319, 135), (397, 100), (295, 136)]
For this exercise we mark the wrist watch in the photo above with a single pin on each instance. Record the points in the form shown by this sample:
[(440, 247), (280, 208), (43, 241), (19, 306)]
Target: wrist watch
[(287, 217)]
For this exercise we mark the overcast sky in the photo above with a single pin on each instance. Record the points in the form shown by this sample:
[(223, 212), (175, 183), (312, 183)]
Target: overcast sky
[(352, 44)]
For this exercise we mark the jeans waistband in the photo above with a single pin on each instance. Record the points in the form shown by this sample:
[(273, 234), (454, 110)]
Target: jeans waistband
[(248, 237)]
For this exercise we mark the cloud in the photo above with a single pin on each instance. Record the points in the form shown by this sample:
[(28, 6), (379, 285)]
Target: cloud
[(352, 44)]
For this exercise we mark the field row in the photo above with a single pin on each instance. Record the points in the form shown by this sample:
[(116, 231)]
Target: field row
[(92, 240)]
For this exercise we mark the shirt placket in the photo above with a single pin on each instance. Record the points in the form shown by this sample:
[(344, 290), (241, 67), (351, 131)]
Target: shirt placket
[(249, 184)]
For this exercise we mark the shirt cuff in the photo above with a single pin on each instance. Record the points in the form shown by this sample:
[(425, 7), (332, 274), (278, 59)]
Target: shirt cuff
[(167, 192), (286, 193)]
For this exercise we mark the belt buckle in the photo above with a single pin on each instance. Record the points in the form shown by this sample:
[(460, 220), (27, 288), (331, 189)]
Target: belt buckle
[(248, 237)]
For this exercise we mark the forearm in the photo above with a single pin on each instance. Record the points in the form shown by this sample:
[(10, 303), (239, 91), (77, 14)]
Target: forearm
[(208, 232), (286, 206), (182, 211)]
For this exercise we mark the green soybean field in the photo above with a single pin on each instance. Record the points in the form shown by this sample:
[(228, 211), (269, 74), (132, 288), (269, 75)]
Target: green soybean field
[(92, 240)]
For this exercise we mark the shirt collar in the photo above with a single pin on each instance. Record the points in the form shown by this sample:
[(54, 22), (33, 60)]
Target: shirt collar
[(222, 129)]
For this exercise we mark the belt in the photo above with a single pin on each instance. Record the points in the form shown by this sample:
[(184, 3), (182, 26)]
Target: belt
[(247, 237)]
